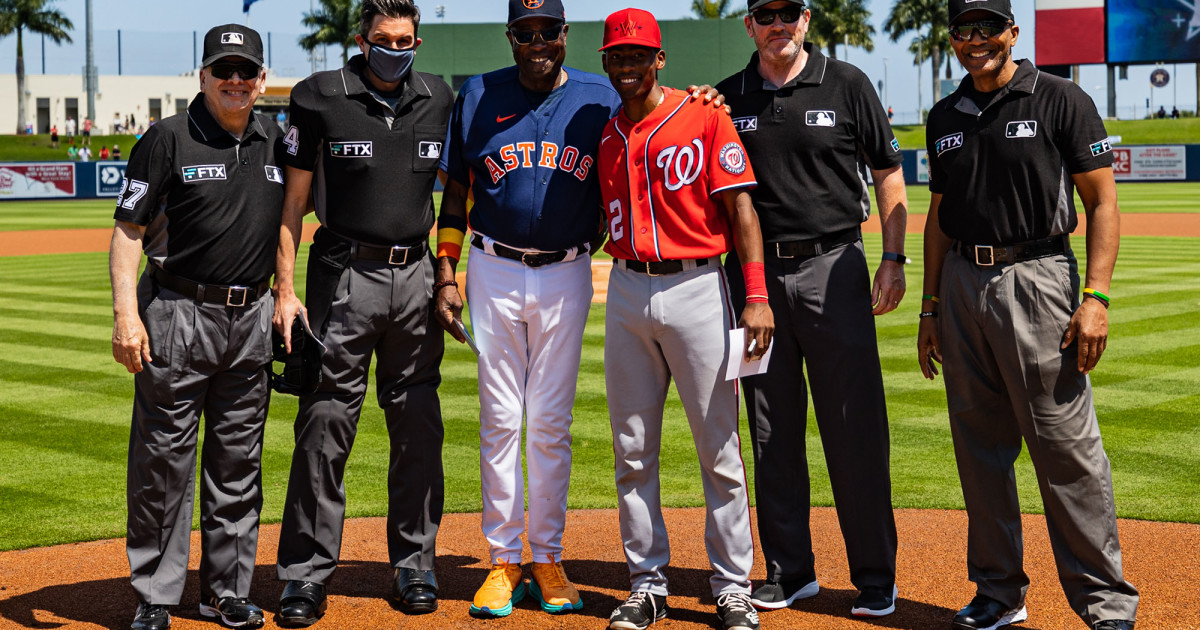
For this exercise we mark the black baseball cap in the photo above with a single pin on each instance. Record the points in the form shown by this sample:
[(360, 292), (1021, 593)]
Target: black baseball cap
[(232, 40), (1001, 8), (751, 5), (521, 9)]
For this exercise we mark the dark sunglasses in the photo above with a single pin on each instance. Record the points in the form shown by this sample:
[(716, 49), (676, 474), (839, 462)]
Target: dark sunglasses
[(225, 71), (787, 15), (988, 29), (525, 38)]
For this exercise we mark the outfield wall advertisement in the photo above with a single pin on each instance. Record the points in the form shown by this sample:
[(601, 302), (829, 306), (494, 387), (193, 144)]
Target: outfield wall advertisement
[(37, 180), (1150, 163)]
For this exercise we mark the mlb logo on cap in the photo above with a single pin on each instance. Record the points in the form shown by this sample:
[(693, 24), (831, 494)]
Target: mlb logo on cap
[(232, 40)]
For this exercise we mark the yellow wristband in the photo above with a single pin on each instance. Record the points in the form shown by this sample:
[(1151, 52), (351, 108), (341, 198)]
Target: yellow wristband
[(449, 242)]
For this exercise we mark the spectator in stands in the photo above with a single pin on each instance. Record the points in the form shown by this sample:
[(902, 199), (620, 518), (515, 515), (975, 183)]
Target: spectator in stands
[(70, 129), (72, 154), (87, 131), (1174, 112), (54, 136), (1161, 113), (116, 152), (117, 127), (85, 154), (104, 152)]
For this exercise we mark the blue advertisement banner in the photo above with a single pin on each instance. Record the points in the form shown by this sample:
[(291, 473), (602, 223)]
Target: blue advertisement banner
[(1150, 31)]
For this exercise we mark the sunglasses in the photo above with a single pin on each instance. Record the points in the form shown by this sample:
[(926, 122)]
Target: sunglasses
[(988, 29), (225, 71), (525, 38), (787, 15)]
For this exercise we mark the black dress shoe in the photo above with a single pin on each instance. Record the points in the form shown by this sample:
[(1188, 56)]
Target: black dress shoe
[(151, 617), (415, 591), (985, 613), (1113, 624), (301, 604)]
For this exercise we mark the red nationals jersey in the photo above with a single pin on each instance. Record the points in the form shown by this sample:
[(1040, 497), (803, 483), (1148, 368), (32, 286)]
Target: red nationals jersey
[(658, 177)]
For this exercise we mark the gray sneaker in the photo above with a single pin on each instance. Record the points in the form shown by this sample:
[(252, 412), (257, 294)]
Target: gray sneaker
[(639, 611)]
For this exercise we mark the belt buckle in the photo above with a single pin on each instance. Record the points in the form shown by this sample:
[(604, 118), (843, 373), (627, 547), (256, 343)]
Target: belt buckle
[(232, 291), (990, 255), (779, 252), (392, 255), (534, 262)]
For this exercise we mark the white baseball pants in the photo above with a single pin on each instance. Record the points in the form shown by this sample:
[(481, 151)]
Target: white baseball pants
[(528, 323)]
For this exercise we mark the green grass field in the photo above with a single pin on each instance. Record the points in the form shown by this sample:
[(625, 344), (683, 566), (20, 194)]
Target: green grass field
[(1185, 130), (1165, 131), (97, 213), (65, 405)]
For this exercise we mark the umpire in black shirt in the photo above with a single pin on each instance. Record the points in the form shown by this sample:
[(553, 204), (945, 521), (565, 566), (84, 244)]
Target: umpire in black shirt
[(1007, 152), (202, 197), (364, 142), (813, 127)]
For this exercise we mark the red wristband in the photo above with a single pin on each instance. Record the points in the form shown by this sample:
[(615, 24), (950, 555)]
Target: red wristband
[(756, 283)]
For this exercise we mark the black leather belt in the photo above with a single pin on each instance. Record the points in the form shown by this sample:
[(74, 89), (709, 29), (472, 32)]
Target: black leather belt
[(399, 255), (227, 295), (660, 267), (813, 247), (991, 255), (530, 259)]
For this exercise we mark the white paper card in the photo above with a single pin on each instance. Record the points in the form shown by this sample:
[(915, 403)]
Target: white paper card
[(736, 365)]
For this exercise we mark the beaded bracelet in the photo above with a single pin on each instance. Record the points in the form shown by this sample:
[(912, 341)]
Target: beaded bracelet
[(438, 286)]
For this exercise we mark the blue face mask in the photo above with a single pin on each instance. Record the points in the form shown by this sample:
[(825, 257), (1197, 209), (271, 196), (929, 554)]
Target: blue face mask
[(388, 64)]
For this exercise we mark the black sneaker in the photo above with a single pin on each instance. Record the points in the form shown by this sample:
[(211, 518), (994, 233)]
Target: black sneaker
[(151, 617), (775, 594), (875, 601), (638, 612), (735, 612), (235, 612)]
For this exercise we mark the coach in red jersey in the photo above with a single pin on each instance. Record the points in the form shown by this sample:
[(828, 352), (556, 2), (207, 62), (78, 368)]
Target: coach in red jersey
[(674, 180)]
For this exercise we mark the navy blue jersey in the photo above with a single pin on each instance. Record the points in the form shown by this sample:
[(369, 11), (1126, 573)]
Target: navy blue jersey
[(530, 166)]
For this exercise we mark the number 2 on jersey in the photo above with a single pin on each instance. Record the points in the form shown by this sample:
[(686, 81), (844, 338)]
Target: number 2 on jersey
[(615, 228)]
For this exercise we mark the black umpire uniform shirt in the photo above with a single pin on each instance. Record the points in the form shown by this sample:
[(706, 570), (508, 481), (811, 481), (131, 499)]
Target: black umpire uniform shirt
[(356, 145), (1003, 161), (210, 202), (808, 141)]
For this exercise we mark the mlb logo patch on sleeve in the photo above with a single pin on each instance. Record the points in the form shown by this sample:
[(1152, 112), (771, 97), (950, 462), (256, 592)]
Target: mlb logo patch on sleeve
[(820, 118), (1100, 148), (895, 144), (232, 38), (1021, 129)]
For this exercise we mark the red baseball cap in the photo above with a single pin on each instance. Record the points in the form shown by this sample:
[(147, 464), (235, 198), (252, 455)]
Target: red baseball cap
[(631, 26)]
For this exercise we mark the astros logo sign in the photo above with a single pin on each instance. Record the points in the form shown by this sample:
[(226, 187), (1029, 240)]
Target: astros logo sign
[(534, 4)]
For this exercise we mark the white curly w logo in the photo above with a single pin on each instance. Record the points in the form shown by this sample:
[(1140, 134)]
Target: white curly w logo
[(683, 162)]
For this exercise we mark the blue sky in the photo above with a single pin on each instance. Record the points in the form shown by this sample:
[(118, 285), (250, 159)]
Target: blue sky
[(156, 38)]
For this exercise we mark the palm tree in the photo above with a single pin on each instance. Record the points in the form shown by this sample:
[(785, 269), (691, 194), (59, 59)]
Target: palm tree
[(714, 9), (928, 19), (35, 16), (335, 22), (841, 22)]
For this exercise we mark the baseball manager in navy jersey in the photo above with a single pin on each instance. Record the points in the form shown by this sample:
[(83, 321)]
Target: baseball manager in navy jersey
[(1008, 150), (364, 143), (202, 197), (522, 143), (813, 128)]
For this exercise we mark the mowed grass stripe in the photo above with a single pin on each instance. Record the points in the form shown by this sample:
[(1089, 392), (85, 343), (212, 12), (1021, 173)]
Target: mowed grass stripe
[(1143, 399)]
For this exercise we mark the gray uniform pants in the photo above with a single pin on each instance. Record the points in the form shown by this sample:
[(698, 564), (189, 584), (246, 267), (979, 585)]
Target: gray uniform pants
[(1000, 330), (658, 328), (387, 311), (822, 308), (206, 359)]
